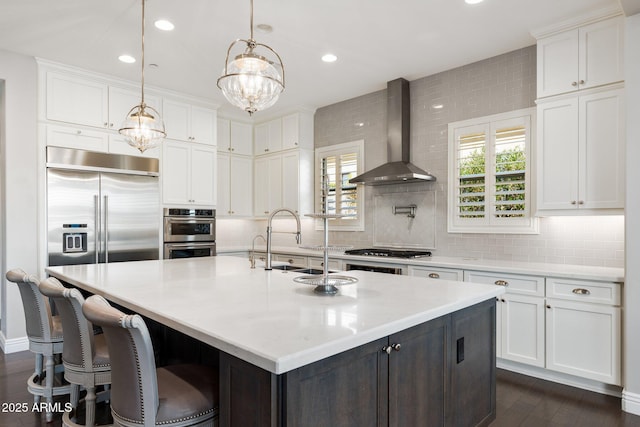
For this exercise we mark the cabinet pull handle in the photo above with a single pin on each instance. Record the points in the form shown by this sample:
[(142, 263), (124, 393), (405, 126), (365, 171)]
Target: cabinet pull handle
[(387, 349), (581, 291), (574, 84), (501, 283), (434, 275)]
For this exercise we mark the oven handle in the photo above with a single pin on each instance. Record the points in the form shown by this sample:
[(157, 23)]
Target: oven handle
[(189, 245), (191, 220)]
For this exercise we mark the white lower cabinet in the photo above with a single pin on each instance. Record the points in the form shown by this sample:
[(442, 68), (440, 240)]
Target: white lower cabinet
[(436, 273), (317, 262), (584, 329)]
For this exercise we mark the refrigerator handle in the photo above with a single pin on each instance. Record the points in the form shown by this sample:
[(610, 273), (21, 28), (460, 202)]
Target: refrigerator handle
[(106, 228), (96, 208)]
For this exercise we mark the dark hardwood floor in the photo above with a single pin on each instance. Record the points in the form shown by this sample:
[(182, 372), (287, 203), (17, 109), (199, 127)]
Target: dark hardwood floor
[(521, 401)]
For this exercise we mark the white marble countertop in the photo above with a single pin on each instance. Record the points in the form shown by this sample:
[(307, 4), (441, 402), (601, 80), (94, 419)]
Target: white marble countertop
[(264, 317), (567, 271)]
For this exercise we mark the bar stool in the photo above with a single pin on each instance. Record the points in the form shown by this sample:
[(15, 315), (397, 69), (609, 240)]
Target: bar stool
[(45, 339), (141, 394), (85, 356)]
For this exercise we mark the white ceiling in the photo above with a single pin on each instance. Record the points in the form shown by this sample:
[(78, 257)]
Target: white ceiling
[(375, 40)]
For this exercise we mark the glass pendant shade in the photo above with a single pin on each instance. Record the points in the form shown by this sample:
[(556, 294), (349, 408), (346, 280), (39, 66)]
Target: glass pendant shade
[(251, 82), (143, 128)]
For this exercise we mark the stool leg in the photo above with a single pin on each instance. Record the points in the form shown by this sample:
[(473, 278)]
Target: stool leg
[(38, 372), (90, 407), (50, 372)]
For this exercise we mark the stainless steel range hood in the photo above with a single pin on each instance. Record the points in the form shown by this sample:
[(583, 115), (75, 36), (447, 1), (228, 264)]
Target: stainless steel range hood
[(398, 169)]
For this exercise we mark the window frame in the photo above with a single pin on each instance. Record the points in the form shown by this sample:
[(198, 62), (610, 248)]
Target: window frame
[(490, 223), (337, 150)]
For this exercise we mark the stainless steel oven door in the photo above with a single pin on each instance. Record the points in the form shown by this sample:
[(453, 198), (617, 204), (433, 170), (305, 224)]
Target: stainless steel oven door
[(189, 250), (378, 268), (189, 229)]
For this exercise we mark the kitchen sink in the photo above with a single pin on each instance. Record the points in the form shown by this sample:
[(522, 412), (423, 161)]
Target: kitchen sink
[(299, 269)]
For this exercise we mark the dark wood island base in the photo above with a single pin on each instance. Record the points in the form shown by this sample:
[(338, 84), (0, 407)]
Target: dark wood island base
[(439, 373)]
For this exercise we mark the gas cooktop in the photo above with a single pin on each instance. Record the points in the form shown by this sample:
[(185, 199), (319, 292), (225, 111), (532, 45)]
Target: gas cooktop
[(391, 253)]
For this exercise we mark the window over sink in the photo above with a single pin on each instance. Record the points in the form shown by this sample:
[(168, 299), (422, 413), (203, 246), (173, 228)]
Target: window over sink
[(339, 163), (489, 174)]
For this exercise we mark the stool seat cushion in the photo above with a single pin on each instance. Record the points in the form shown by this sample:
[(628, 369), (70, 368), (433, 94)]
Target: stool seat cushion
[(186, 392)]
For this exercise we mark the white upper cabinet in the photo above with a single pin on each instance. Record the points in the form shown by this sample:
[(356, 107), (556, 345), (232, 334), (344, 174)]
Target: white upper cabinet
[(268, 137), (235, 137), (190, 123), (76, 99), (188, 174), (297, 131), (580, 151), (581, 58)]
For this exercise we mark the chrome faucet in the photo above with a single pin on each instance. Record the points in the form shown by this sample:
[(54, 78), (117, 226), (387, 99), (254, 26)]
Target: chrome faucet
[(269, 231), (252, 257)]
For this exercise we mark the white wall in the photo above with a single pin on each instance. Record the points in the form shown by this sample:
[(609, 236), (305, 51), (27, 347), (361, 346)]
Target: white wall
[(631, 322), (20, 182)]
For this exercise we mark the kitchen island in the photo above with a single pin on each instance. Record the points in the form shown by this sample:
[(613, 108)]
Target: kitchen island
[(388, 350)]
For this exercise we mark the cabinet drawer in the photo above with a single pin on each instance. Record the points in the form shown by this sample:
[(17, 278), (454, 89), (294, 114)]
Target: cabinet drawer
[(298, 261), (334, 264), (580, 290), (436, 273), (514, 283)]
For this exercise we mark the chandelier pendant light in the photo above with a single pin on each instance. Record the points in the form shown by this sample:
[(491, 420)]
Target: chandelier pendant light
[(251, 81), (143, 127)]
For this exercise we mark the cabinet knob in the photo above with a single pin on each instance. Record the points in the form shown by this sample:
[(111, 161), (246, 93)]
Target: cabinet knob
[(581, 82), (105, 124), (387, 349), (574, 84), (266, 149), (434, 275), (501, 283), (266, 212), (78, 132), (573, 202), (502, 299), (290, 261), (581, 202), (110, 125), (396, 347), (581, 291), (548, 306)]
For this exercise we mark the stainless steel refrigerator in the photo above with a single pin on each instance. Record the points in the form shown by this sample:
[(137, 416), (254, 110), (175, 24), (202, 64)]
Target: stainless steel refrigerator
[(101, 207)]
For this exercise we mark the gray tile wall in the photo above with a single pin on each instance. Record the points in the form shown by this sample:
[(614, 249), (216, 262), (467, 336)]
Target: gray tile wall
[(495, 85)]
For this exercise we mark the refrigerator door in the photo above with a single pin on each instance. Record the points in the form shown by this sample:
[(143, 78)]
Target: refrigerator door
[(130, 211), (72, 210)]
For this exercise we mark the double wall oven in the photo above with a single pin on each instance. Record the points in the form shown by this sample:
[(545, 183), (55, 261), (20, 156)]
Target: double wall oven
[(189, 233)]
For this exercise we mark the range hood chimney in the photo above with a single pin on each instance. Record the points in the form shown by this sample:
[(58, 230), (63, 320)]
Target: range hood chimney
[(398, 169)]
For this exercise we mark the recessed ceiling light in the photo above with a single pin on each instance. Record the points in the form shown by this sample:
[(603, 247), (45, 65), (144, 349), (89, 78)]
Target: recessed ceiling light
[(164, 25), (329, 57), (473, 1), (127, 59), (264, 28)]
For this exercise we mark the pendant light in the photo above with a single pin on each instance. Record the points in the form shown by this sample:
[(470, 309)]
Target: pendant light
[(143, 127), (251, 81)]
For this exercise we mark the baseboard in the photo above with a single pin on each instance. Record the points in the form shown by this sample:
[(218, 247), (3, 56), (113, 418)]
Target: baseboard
[(559, 377), (13, 345), (631, 402)]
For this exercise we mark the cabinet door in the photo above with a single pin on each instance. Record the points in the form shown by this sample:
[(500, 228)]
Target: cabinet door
[(176, 119), (261, 141), (73, 99), (473, 366), (418, 380), (290, 132), (223, 137), (522, 333), (241, 186), (558, 61), (203, 174), (557, 181), (275, 135), (74, 137), (176, 177), (601, 161), (584, 339), (291, 181), (223, 205), (268, 184), (241, 138), (268, 137), (601, 53), (203, 125)]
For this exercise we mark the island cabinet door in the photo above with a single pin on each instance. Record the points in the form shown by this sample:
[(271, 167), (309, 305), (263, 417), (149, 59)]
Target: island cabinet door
[(418, 374), (348, 389), (473, 369)]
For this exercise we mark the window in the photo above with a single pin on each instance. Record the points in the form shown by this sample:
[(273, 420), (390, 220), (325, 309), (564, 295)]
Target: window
[(489, 174), (335, 166)]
